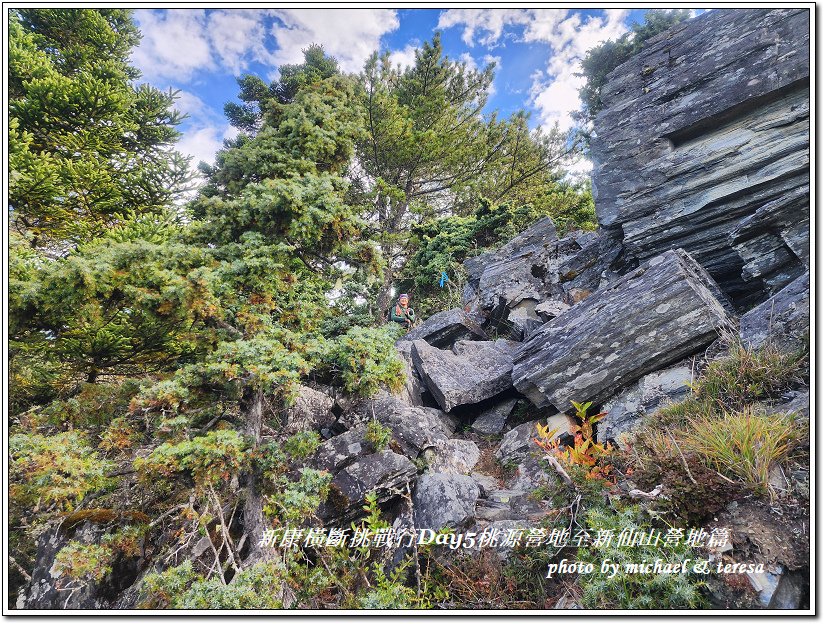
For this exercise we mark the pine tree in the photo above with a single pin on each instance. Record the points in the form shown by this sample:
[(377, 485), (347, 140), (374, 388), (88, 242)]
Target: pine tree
[(86, 146), (428, 148)]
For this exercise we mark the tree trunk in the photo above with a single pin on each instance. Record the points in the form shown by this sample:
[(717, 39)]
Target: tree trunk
[(253, 519), (385, 294)]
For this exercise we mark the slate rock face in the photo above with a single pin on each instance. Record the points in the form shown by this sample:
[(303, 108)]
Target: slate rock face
[(627, 410), (386, 473), (704, 127), (651, 318), (444, 500), (444, 328), (782, 319), (477, 374)]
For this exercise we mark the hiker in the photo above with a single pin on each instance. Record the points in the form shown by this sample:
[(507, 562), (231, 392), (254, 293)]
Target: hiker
[(402, 313)]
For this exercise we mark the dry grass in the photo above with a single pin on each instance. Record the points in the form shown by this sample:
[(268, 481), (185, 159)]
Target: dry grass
[(742, 445)]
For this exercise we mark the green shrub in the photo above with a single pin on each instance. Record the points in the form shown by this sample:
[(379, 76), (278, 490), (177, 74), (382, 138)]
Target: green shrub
[(59, 469), (302, 444), (628, 590), (296, 501), (210, 459), (377, 435), (257, 587), (364, 359), (89, 562)]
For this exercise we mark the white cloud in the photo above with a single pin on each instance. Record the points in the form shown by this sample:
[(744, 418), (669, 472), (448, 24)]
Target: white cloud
[(206, 129), (350, 35), (489, 21), (177, 43), (174, 44), (556, 95), (405, 57), (201, 143), (554, 90), (237, 36)]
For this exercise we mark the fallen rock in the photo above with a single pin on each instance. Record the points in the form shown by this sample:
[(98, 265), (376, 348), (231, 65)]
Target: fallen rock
[(386, 473), (472, 348), (548, 310), (517, 444), (783, 319), (444, 500), (654, 316), (627, 410), (449, 421), (486, 482), (475, 375), (444, 328), (523, 320), (335, 453), (492, 420), (452, 456), (413, 428)]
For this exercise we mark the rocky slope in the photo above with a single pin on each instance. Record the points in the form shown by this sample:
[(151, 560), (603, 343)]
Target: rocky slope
[(702, 181)]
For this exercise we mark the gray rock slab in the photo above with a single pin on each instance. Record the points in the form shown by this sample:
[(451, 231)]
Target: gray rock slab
[(452, 456), (444, 500), (311, 410), (384, 473), (663, 311), (492, 421), (444, 328), (626, 411), (783, 319), (463, 379)]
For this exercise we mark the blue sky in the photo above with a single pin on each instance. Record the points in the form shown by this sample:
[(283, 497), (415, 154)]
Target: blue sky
[(200, 52)]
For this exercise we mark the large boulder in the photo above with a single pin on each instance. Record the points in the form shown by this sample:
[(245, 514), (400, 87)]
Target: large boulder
[(385, 473), (783, 319), (444, 500), (708, 124), (452, 456), (444, 328), (412, 430), (479, 373), (666, 310)]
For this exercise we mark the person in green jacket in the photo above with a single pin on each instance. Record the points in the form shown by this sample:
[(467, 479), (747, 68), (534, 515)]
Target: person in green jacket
[(402, 313)]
